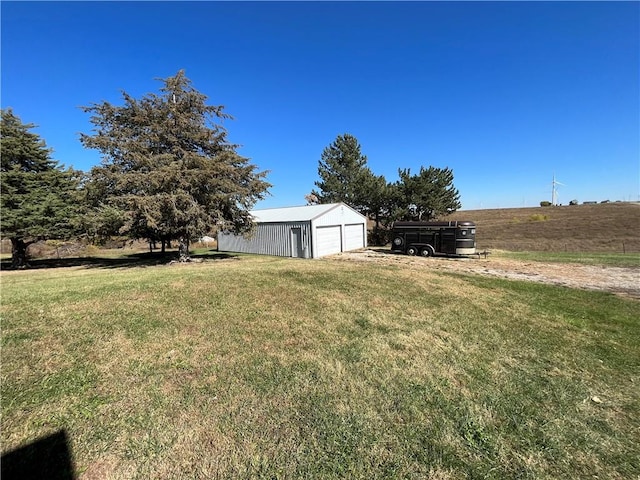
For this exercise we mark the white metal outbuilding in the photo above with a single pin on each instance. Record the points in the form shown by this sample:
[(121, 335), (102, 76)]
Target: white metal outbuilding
[(311, 231)]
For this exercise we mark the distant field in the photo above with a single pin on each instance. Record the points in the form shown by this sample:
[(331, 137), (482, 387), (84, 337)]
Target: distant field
[(263, 367), (610, 227)]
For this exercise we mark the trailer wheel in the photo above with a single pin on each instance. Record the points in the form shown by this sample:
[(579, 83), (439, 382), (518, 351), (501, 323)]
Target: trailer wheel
[(427, 251), (412, 250)]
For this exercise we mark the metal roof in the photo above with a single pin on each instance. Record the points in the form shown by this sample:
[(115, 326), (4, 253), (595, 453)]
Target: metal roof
[(293, 214)]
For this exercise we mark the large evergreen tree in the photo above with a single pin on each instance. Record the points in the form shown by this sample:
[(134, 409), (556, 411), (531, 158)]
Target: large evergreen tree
[(168, 167), (426, 195), (344, 175), (377, 194), (40, 200)]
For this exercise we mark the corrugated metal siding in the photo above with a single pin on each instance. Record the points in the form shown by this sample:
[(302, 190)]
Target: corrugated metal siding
[(276, 237), (268, 239)]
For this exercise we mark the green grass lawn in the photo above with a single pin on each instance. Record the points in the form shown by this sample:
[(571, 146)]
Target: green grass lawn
[(606, 259), (262, 367)]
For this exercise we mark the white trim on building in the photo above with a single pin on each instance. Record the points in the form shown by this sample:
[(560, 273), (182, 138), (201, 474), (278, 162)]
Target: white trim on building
[(311, 231)]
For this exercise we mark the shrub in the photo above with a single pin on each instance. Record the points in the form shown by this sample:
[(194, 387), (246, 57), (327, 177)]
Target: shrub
[(538, 217), (380, 237), (545, 203)]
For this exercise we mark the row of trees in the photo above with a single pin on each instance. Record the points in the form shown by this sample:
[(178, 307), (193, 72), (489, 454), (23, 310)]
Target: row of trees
[(168, 173), (345, 177)]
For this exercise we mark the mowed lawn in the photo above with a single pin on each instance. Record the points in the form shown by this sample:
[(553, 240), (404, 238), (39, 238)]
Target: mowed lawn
[(262, 367)]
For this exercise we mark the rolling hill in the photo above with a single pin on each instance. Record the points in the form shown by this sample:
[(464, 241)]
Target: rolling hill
[(608, 227)]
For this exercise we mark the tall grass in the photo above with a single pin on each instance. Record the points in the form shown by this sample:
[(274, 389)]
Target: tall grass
[(262, 367)]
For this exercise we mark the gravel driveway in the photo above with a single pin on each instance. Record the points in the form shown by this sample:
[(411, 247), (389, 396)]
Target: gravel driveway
[(619, 280)]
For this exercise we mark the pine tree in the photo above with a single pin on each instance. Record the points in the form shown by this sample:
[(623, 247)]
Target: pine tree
[(344, 174), (40, 200), (168, 167), (425, 195)]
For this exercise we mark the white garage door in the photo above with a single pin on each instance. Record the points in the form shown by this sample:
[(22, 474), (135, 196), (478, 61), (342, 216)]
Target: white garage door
[(353, 236), (328, 239)]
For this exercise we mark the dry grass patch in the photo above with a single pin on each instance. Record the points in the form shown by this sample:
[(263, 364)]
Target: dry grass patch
[(611, 227)]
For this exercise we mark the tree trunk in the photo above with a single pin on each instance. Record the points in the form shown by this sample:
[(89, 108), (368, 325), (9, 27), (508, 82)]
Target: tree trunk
[(19, 253), (183, 249), (377, 237)]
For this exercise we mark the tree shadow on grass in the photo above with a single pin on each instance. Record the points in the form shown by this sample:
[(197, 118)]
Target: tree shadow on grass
[(143, 259)]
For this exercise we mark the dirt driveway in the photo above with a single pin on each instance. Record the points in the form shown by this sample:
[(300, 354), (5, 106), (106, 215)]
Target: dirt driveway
[(619, 280)]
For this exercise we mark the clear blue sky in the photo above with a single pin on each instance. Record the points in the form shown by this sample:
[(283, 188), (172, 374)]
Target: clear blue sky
[(506, 93)]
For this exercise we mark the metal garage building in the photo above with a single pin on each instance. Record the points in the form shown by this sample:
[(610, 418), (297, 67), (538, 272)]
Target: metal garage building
[(311, 231)]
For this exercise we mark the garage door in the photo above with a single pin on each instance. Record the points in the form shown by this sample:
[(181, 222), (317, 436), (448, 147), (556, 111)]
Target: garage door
[(328, 239), (353, 236)]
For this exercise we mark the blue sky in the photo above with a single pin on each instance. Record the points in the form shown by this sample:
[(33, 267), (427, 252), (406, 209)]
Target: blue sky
[(504, 93)]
